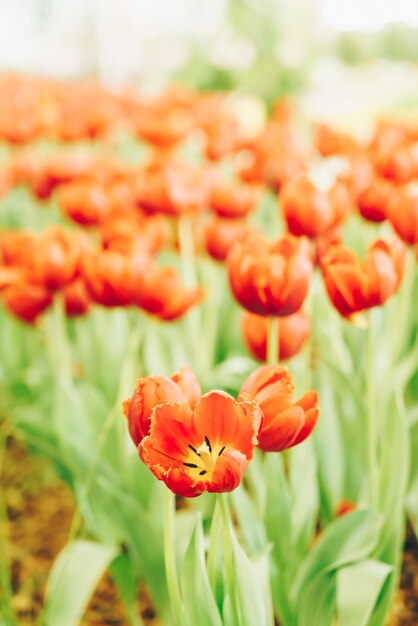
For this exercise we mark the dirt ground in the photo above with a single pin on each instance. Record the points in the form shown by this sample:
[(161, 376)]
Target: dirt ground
[(40, 511)]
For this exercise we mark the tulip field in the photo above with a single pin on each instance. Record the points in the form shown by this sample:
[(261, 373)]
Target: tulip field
[(209, 345)]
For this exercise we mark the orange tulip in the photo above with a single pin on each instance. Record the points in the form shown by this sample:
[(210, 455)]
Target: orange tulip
[(233, 200), (84, 202), (293, 333), (403, 214), (164, 295), (270, 278), (373, 201), (154, 390), (202, 449), (114, 279), (25, 299), (221, 234), (311, 212), (354, 287), (285, 422), (56, 257), (77, 300)]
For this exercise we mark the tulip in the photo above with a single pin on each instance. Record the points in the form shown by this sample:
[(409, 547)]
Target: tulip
[(84, 202), (205, 449), (77, 300), (154, 390), (221, 234), (293, 333), (311, 212), (373, 201), (233, 200), (403, 214), (353, 286), (56, 257), (114, 279), (164, 295), (286, 423), (270, 278), (25, 299)]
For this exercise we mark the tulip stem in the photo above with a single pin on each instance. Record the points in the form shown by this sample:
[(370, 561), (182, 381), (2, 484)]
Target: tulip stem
[(170, 557), (371, 416), (59, 349), (187, 251), (273, 340), (229, 563)]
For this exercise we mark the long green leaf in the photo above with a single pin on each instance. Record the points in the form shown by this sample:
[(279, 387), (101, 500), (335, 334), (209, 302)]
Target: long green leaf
[(72, 581)]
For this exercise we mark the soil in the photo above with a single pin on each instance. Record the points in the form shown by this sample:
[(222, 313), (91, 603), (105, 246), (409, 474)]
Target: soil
[(37, 503)]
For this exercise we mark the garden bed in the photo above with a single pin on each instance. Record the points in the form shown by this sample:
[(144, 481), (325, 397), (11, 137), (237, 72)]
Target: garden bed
[(41, 509)]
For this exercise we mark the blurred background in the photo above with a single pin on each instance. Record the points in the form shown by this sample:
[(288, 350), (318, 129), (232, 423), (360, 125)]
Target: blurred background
[(347, 58)]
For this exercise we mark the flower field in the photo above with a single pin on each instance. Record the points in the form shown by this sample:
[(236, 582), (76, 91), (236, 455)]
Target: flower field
[(208, 362)]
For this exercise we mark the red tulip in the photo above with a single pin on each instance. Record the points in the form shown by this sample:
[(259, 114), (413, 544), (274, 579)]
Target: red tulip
[(311, 212), (221, 234), (353, 286), (270, 278), (164, 295), (286, 423), (403, 214), (202, 449)]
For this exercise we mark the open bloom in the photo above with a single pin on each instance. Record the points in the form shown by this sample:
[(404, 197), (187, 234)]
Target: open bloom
[(202, 449), (310, 211), (293, 332), (24, 298), (354, 286), (270, 278), (286, 422), (154, 390)]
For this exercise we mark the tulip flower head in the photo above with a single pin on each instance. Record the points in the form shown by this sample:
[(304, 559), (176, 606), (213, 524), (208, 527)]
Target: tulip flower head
[(354, 286), (311, 211), (154, 390), (286, 422), (202, 449), (270, 278)]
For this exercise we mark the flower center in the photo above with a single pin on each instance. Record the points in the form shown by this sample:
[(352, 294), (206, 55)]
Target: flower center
[(204, 458)]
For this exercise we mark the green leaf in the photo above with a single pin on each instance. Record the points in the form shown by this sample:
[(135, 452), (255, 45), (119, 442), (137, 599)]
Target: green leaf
[(198, 600), (73, 579), (358, 589), (346, 540), (126, 580), (248, 593), (316, 605)]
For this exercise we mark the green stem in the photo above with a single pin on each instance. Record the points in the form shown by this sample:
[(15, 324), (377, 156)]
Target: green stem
[(59, 348), (170, 557), (273, 341), (229, 563), (373, 433), (187, 250)]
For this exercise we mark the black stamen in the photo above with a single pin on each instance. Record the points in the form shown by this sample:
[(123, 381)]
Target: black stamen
[(221, 450), (208, 443), (202, 473), (194, 449), (190, 465)]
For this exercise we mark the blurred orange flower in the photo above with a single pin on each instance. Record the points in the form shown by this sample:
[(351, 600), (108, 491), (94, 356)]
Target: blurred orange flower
[(270, 278)]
